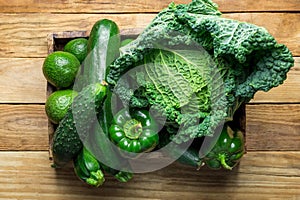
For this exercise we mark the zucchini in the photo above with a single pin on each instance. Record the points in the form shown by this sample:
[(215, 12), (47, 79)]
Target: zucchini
[(191, 157), (87, 168), (74, 127), (126, 41), (103, 149), (103, 48)]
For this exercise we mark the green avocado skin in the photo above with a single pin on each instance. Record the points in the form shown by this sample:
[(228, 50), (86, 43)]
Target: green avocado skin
[(71, 132), (60, 69)]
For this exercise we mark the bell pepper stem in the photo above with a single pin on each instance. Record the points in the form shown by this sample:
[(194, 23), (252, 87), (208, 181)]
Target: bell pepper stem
[(222, 159), (133, 129)]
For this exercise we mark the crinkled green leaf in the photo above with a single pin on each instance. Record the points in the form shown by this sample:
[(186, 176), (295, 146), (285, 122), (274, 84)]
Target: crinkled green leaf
[(176, 80), (249, 59)]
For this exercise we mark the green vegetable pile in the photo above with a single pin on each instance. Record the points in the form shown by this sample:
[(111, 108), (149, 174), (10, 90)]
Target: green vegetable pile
[(180, 82), (247, 57)]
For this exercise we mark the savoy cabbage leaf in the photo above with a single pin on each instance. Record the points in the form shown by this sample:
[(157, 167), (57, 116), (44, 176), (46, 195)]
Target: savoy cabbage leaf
[(247, 57), (180, 81)]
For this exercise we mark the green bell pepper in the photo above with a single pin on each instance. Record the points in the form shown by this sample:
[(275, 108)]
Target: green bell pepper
[(227, 151), (134, 132)]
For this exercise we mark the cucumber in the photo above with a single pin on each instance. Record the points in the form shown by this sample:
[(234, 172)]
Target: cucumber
[(74, 127), (191, 157), (101, 148), (87, 168), (126, 41), (103, 48)]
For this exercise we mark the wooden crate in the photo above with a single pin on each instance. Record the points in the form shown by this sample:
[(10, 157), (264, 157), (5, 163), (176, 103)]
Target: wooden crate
[(57, 41), (269, 170)]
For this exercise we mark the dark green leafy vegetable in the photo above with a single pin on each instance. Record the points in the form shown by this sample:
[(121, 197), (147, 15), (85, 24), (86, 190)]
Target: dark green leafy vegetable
[(246, 56)]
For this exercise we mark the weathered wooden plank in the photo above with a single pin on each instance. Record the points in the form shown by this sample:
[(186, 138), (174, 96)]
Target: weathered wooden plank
[(132, 6), (273, 127), (268, 127), (259, 5), (260, 175), (25, 35), (288, 92), (22, 80), (23, 127)]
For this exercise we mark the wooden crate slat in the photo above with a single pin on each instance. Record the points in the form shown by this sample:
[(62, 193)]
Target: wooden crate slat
[(260, 175), (130, 6), (21, 72), (25, 34)]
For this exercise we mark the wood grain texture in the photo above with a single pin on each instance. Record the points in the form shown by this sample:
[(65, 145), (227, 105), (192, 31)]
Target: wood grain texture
[(25, 35), (288, 92), (285, 27), (260, 175), (268, 127), (23, 127), (137, 6), (22, 81), (269, 171), (271, 127)]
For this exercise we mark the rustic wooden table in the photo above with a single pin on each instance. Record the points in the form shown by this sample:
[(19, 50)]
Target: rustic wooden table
[(270, 169)]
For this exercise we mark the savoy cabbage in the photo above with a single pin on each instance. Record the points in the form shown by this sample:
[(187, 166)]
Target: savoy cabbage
[(183, 82)]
